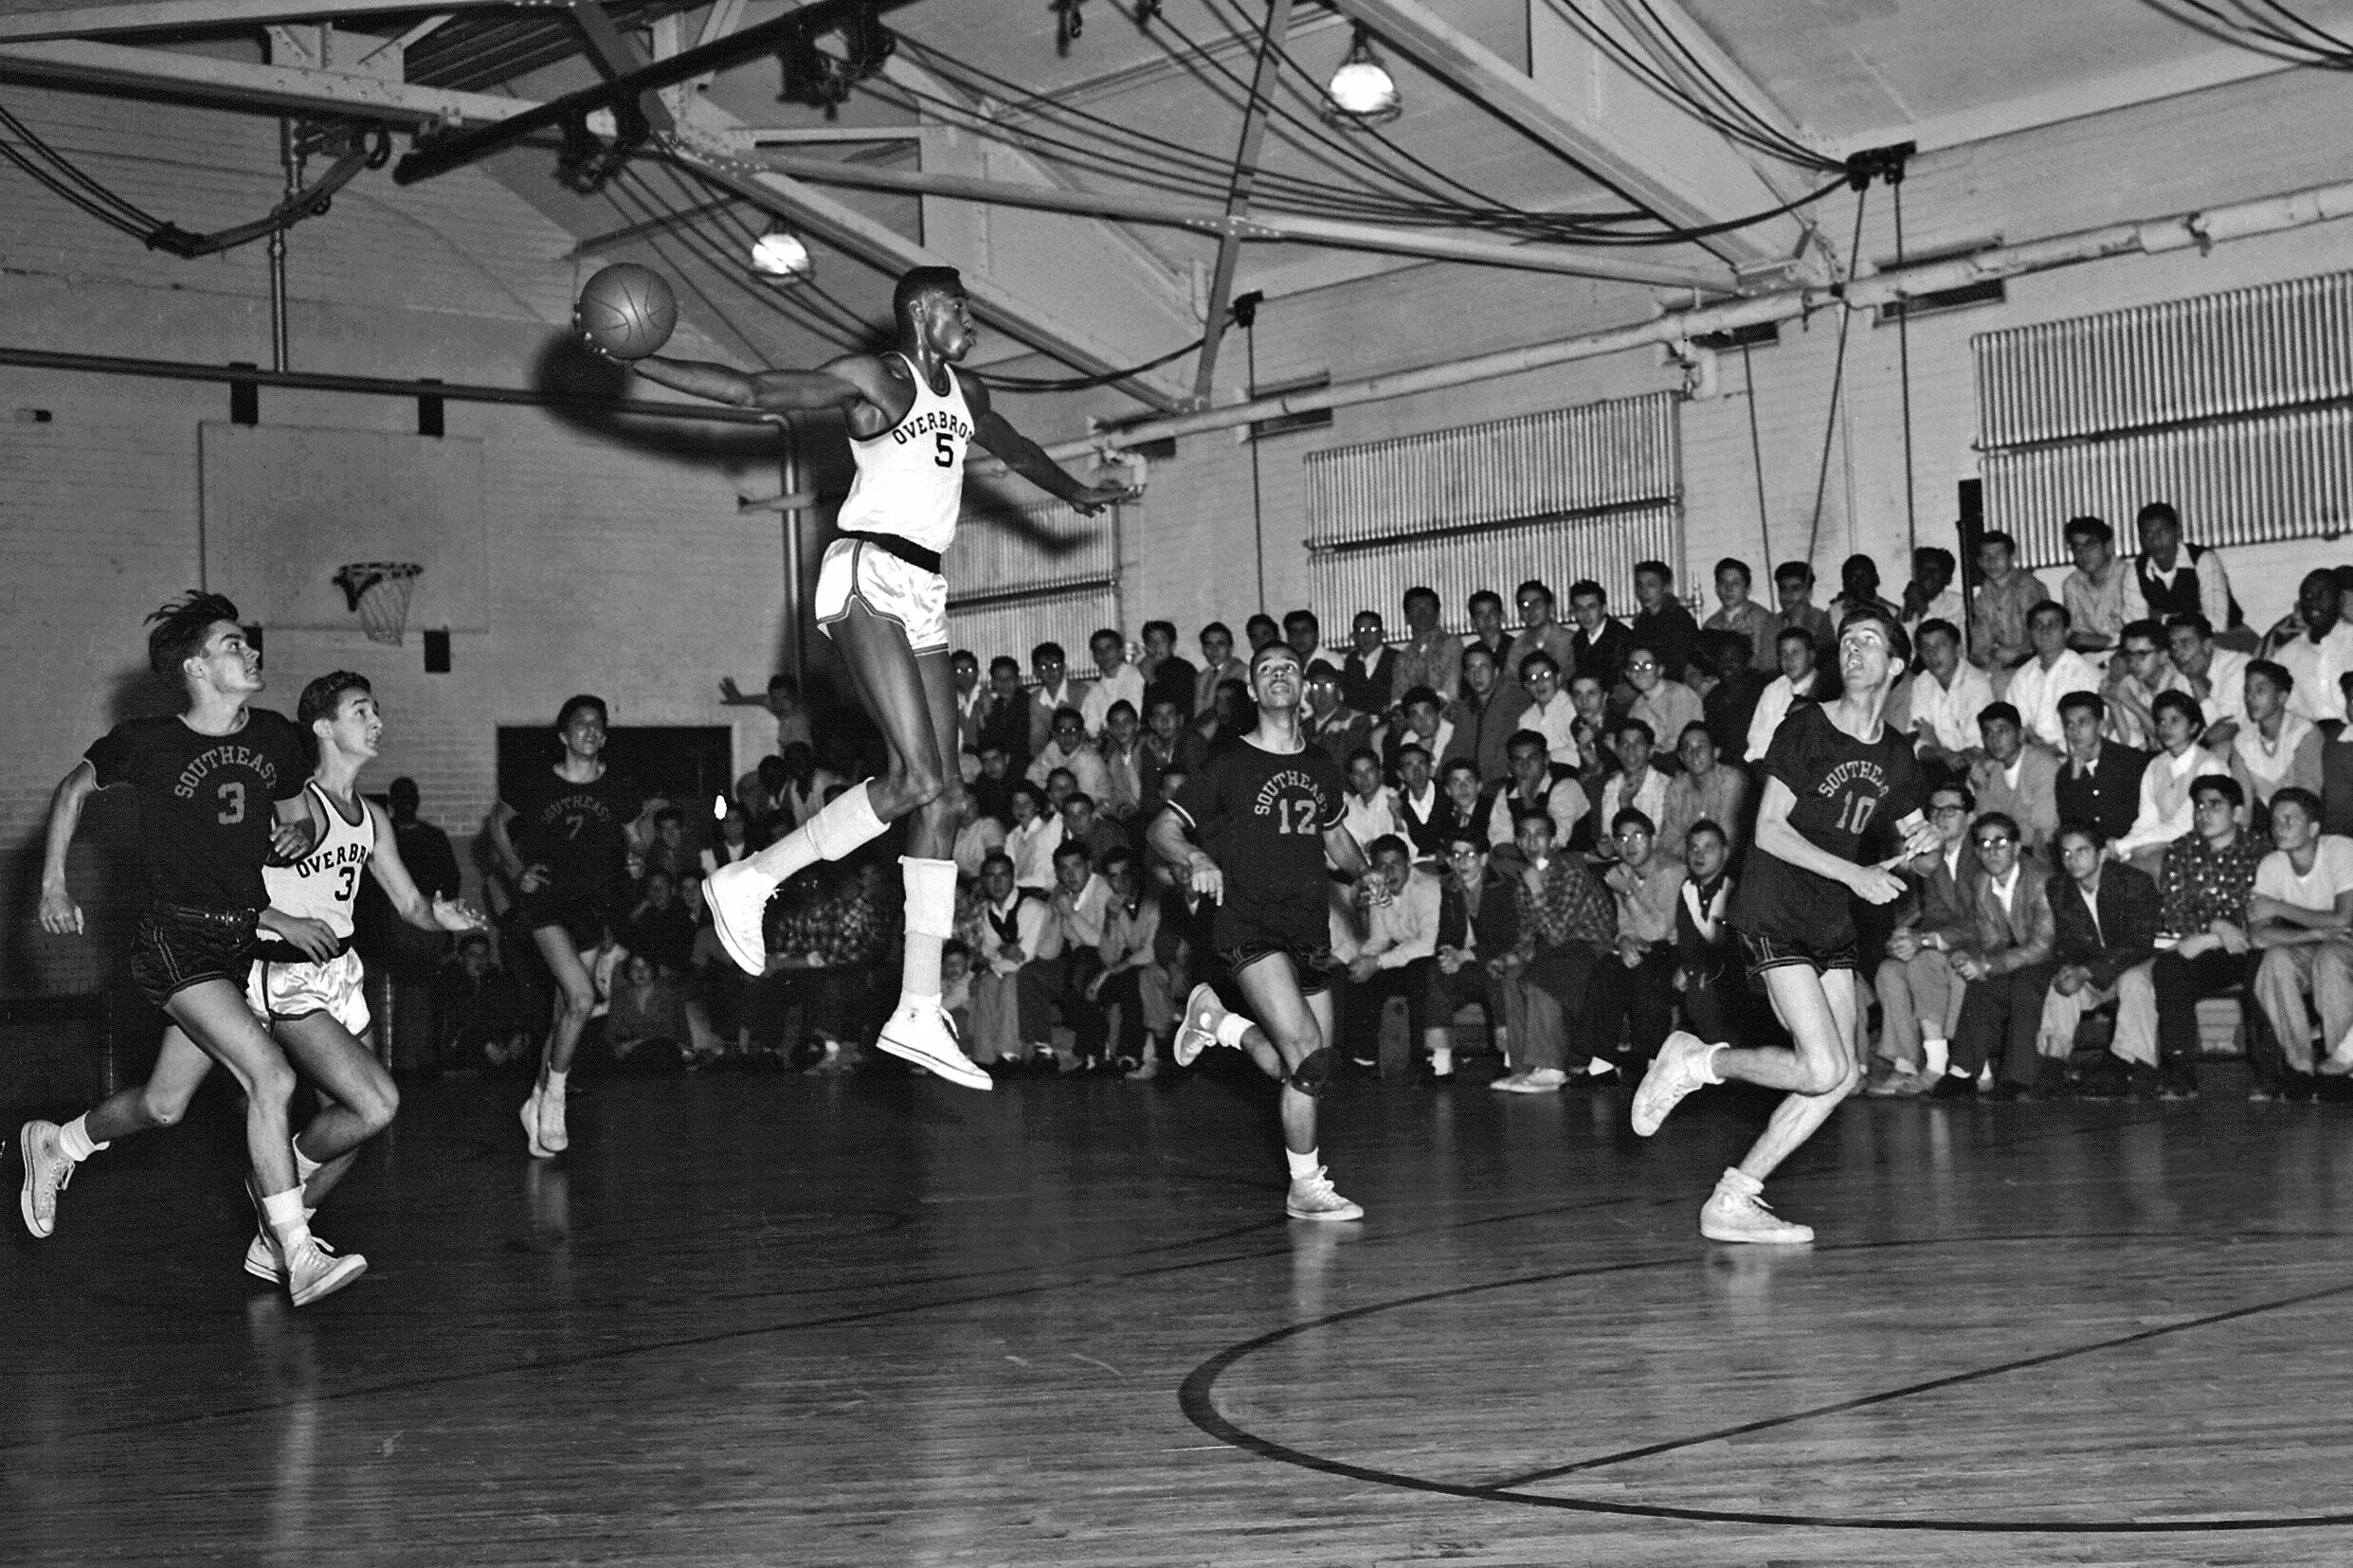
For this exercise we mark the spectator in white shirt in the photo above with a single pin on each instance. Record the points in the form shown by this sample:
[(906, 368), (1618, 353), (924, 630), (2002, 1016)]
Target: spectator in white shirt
[(2054, 671), (1636, 785), (1795, 684), (1119, 681), (977, 837), (1550, 713), (2319, 650), (1036, 833), (1371, 809), (1069, 751), (2277, 748), (1399, 957), (2165, 813), (1012, 930), (1660, 701), (1536, 782), (1946, 697), (2102, 594), (2216, 676), (2298, 917)]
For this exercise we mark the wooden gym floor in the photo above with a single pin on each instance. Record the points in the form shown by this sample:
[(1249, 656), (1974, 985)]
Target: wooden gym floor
[(879, 1321)]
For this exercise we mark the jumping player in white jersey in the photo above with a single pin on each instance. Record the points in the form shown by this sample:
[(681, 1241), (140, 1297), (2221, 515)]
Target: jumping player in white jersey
[(880, 597), (1830, 771)]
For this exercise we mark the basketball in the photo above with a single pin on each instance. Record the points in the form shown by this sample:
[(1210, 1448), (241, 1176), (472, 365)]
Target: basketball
[(627, 311)]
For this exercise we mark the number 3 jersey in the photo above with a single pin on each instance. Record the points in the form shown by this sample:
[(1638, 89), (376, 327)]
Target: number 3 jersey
[(911, 477), (207, 803), (1262, 817), (324, 884), (1845, 788)]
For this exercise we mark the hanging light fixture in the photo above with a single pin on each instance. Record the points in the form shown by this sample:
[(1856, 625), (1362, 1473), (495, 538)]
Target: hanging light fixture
[(781, 254), (1363, 93)]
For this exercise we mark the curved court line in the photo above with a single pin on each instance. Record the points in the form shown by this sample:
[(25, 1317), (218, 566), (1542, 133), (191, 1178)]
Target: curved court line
[(1196, 1398)]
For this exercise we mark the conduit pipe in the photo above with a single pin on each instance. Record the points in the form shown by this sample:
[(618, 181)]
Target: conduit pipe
[(2202, 229)]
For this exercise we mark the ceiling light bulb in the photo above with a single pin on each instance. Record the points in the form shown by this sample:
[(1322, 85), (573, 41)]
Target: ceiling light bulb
[(1362, 92), (781, 254)]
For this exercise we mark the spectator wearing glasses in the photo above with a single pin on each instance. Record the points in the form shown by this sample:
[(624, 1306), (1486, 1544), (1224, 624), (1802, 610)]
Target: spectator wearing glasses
[(1052, 692), (1660, 700), (1550, 713), (1919, 992), (2006, 964), (1067, 749), (1369, 674)]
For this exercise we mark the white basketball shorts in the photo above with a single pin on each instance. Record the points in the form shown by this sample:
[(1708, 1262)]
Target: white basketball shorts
[(277, 991), (855, 571)]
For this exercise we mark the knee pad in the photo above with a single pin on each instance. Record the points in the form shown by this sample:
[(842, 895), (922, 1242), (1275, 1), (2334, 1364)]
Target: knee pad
[(1314, 1072)]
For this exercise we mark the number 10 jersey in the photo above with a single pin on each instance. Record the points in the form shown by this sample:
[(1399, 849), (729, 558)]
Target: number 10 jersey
[(1845, 789)]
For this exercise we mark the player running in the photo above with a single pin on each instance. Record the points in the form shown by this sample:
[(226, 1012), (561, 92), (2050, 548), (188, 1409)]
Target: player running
[(880, 597), (308, 984), (571, 860), (1830, 771), (1275, 809), (220, 789)]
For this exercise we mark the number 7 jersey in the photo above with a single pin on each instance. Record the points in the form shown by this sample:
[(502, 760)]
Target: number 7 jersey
[(324, 884)]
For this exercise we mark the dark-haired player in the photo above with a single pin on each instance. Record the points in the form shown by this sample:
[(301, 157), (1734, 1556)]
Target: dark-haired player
[(220, 790), (563, 835), (308, 985), (880, 597), (1832, 771), (1276, 808)]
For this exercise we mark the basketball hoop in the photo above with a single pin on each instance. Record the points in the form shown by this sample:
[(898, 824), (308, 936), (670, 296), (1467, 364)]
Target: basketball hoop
[(377, 592)]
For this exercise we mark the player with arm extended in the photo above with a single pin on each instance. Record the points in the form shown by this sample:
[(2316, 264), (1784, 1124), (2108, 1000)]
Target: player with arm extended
[(307, 983), (220, 790), (570, 858), (880, 597), (1832, 769), (1275, 809)]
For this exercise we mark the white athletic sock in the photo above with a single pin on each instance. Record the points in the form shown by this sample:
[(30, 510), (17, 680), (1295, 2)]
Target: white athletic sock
[(1303, 1165), (1233, 1030), (1708, 1064), (1934, 1055), (930, 921), (286, 1218), (839, 828), (1441, 1058), (304, 1167), (554, 1084), (1737, 1180), (74, 1142)]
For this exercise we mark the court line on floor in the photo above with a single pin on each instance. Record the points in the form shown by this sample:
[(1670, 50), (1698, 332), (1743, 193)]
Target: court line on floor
[(1196, 1398)]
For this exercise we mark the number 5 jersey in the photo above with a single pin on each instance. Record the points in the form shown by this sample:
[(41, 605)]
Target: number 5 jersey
[(207, 803)]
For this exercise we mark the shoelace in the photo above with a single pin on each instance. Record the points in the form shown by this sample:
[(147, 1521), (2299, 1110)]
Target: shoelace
[(1318, 1185), (66, 1169)]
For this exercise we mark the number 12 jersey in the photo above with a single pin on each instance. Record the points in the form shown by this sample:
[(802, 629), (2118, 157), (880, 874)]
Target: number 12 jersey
[(1262, 817)]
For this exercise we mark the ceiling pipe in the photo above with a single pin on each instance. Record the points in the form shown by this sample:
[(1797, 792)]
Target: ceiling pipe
[(2200, 229)]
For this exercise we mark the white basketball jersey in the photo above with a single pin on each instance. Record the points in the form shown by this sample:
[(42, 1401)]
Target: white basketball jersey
[(323, 884), (911, 477)]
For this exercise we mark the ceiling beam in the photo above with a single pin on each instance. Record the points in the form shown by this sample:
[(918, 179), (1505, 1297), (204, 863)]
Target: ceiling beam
[(1278, 29), (1262, 225), (1606, 123), (707, 138), (166, 15), (246, 86), (617, 55)]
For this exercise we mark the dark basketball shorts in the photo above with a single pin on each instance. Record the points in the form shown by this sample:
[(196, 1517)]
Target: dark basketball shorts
[(176, 947), (585, 918), (1316, 968), (1780, 952)]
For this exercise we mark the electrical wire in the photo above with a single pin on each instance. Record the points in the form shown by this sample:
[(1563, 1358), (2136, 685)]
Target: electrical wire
[(1838, 383), (1020, 385), (2247, 29)]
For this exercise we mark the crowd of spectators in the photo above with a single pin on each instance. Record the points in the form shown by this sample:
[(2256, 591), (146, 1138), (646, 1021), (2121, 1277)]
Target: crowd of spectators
[(2140, 801)]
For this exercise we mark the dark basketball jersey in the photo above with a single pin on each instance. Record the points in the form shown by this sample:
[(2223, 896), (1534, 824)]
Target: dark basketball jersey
[(1846, 789), (578, 831), (1263, 815), (207, 803)]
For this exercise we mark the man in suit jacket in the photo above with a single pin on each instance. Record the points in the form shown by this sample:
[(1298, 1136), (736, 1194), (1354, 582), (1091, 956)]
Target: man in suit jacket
[(2105, 916), (2017, 780), (1919, 992), (1487, 715), (2100, 780), (2007, 964)]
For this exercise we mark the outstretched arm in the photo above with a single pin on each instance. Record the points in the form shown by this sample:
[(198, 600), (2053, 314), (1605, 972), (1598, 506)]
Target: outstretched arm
[(392, 875), (1027, 459), (59, 914), (782, 392)]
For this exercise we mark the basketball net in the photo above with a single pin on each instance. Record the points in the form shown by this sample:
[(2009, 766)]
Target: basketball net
[(378, 592)]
